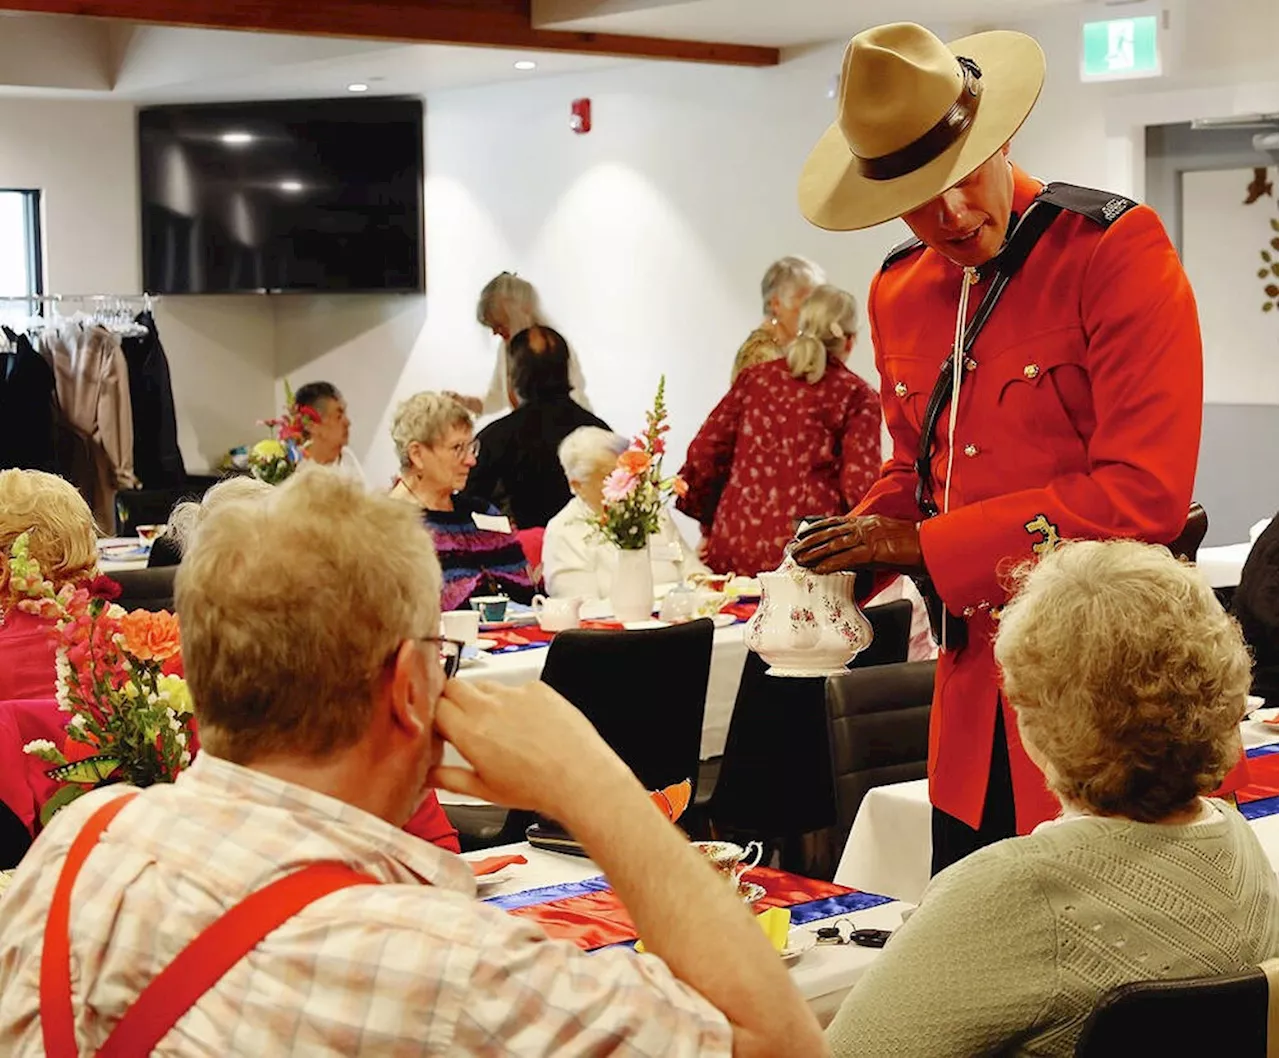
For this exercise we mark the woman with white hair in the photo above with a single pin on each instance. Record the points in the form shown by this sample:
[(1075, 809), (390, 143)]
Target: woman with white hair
[(577, 563), (507, 305), (1128, 682), (786, 284), (185, 518), (480, 554), (792, 439)]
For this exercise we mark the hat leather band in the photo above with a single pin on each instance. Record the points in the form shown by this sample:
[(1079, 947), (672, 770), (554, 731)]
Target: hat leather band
[(920, 152)]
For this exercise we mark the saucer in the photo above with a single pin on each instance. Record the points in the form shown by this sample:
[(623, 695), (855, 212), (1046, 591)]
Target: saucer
[(484, 644), (488, 881), (799, 941)]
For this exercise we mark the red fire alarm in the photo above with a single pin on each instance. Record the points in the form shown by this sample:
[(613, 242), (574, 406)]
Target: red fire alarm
[(580, 115)]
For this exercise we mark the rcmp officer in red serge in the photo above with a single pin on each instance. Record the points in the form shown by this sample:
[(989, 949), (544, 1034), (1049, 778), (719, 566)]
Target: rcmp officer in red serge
[(1068, 403)]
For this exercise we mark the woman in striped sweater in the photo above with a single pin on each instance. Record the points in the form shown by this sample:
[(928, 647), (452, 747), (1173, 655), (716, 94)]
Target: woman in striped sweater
[(479, 552)]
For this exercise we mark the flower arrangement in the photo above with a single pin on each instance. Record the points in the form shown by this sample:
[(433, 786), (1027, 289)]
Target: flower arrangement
[(272, 460), (635, 491), (119, 675)]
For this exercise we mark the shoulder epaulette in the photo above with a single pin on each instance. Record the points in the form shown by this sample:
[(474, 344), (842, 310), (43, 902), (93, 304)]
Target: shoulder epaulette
[(903, 249), (1101, 207)]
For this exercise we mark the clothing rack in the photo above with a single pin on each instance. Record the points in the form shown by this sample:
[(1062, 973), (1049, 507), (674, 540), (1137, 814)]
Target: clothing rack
[(113, 311)]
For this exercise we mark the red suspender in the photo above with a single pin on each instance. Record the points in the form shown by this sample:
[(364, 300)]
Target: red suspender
[(197, 968), (57, 1020)]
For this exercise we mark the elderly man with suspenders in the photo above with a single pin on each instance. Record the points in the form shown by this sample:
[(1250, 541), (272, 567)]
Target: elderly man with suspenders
[(1040, 364)]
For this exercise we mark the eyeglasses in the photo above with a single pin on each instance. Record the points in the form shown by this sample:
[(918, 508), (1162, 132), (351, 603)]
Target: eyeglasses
[(462, 450), (450, 653)]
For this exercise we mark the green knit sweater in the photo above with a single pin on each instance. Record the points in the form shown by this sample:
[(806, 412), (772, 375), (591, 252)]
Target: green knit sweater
[(1010, 948)]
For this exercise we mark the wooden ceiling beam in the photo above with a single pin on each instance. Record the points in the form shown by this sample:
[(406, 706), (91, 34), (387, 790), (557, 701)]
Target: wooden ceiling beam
[(481, 23)]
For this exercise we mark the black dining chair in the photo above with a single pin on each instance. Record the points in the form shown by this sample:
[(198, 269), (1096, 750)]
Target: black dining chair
[(644, 690), (1197, 1016), (878, 732), (775, 778), (146, 589)]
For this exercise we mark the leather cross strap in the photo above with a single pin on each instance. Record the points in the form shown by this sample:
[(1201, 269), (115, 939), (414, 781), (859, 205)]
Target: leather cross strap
[(1034, 223), (197, 968)]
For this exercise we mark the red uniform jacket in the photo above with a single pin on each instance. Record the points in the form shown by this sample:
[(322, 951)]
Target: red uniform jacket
[(1079, 418)]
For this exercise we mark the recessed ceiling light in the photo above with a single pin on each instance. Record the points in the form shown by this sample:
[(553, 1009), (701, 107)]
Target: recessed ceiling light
[(292, 186), (236, 139), (358, 86), (525, 64)]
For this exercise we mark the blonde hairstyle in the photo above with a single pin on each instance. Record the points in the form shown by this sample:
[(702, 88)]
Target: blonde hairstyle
[(589, 450), (289, 616), (186, 517), (62, 535), (1126, 674), (828, 317), (426, 418), (787, 278), (508, 299)]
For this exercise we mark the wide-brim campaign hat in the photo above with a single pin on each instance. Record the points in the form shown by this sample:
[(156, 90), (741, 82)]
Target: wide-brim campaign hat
[(915, 117)]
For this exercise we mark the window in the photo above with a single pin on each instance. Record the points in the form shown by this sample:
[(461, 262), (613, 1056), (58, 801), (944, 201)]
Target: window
[(20, 256)]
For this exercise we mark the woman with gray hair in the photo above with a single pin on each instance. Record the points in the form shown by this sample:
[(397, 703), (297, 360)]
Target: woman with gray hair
[(1128, 683), (574, 561), (794, 438), (507, 305), (185, 518), (480, 555), (786, 284)]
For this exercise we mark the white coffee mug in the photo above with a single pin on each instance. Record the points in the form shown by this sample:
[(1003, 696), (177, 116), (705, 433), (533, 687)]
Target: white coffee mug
[(462, 625), (555, 615)]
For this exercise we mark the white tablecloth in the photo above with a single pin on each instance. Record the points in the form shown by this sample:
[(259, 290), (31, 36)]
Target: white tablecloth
[(1221, 566), (111, 561), (823, 975), (890, 846)]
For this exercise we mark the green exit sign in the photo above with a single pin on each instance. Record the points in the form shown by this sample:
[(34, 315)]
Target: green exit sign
[(1121, 47)]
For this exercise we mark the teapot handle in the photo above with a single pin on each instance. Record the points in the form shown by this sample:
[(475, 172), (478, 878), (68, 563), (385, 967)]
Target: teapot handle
[(537, 603)]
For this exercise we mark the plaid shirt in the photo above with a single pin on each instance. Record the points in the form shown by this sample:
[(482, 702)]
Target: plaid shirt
[(413, 967)]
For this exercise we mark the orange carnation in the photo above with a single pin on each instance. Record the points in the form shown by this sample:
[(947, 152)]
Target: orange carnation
[(680, 487), (151, 636), (633, 462)]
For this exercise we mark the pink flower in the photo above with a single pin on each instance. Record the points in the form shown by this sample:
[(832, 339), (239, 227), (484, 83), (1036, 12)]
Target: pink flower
[(619, 485)]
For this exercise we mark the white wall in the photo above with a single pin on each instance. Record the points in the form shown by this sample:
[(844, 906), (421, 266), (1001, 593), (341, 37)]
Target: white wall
[(1222, 242), (81, 155)]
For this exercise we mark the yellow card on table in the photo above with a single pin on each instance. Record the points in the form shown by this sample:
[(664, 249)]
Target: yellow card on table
[(776, 923)]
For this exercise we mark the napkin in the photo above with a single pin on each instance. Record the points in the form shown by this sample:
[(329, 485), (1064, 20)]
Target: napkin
[(671, 801), (494, 864)]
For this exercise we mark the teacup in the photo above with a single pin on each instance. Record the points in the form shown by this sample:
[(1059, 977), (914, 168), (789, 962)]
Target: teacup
[(730, 860), (709, 603), (679, 604), (716, 582), (462, 625), (492, 608), (555, 615), (147, 533)]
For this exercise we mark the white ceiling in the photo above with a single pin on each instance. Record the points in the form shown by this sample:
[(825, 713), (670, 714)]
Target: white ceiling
[(68, 55), (780, 23)]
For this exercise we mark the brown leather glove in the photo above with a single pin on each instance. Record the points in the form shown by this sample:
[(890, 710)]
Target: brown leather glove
[(867, 541)]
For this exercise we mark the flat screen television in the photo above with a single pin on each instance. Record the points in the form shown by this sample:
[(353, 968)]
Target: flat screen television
[(312, 195)]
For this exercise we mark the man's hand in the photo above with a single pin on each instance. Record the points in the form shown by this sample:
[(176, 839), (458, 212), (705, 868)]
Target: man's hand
[(527, 747), (870, 541)]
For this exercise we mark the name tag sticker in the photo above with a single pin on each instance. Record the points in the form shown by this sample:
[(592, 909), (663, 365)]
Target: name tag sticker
[(492, 523)]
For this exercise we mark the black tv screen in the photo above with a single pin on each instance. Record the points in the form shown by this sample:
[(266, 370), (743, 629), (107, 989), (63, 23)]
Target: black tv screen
[(314, 195)]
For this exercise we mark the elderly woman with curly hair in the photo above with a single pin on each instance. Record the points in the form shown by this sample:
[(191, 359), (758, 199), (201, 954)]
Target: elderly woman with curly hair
[(479, 552), (1128, 683), (61, 537)]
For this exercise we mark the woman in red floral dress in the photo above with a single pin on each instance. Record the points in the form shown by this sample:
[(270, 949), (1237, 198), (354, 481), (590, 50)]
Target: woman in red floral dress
[(792, 438)]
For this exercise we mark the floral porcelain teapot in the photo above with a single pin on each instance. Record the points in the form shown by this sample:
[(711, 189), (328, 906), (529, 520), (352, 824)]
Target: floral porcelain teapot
[(807, 624)]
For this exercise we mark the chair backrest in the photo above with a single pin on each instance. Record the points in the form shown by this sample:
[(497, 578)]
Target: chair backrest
[(1185, 1016), (878, 731), (1187, 543), (891, 635), (644, 690), (146, 589), (1271, 971), (775, 778)]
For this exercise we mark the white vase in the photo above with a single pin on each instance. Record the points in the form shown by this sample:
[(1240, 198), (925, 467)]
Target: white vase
[(632, 589)]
